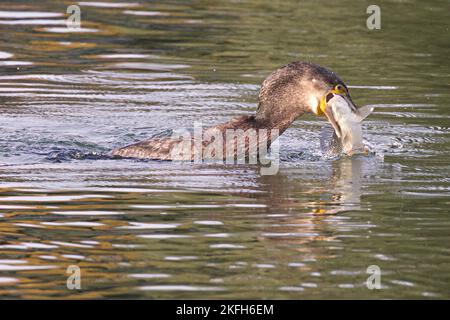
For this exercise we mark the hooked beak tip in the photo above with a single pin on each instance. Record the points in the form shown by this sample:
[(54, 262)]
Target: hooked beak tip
[(350, 102)]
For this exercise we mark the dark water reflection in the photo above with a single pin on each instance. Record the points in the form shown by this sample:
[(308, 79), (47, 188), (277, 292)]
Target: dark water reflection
[(162, 230)]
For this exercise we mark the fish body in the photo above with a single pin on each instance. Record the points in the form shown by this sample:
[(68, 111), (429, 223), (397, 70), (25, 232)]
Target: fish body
[(348, 119)]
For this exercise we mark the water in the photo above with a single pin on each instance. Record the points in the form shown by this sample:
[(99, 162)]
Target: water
[(150, 229)]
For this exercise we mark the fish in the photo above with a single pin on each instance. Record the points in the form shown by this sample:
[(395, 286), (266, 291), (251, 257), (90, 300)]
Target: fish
[(346, 138)]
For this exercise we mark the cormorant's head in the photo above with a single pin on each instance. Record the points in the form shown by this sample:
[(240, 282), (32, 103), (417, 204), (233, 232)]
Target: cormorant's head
[(325, 89), (328, 89), (297, 88), (321, 83)]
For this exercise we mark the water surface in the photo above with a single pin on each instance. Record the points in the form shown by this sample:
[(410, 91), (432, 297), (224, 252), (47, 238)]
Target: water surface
[(150, 229)]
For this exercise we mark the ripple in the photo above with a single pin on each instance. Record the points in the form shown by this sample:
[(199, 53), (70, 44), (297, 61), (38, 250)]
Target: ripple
[(6, 280), (403, 283), (33, 22), (90, 242), (5, 267), (289, 234), (209, 222), (346, 286), (148, 206), (70, 244), (180, 288), (52, 198), (29, 14), (288, 288), (73, 224), (226, 246), (13, 207), (430, 294), (5, 55), (247, 205), (402, 105), (28, 225), (180, 258), (296, 264), (309, 285), (198, 206), (12, 261), (264, 266), (149, 275), (124, 56), (163, 236), (74, 256), (15, 63), (13, 246), (426, 194), (139, 226), (345, 273), (47, 257), (133, 190), (99, 4), (375, 87), (70, 30), (277, 215), (384, 257), (35, 245), (147, 66), (87, 213), (217, 235), (125, 246), (145, 13)]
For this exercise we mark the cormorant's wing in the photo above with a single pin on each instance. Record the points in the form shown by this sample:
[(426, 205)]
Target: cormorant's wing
[(158, 149)]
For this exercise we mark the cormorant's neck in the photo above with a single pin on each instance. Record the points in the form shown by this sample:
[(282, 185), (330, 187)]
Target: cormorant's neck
[(280, 121)]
